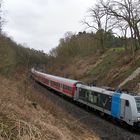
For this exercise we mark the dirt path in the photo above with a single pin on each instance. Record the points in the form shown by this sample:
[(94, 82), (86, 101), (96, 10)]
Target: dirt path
[(131, 77)]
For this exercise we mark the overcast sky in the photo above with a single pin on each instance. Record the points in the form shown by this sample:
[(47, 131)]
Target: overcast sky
[(41, 23)]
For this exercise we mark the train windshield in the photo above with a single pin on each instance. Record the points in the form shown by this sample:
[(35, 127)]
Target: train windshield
[(138, 103)]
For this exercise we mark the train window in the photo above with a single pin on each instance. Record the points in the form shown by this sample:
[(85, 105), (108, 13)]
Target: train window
[(91, 97), (83, 94), (67, 88), (99, 99), (46, 80), (95, 100), (70, 88), (55, 84), (127, 103), (138, 103), (86, 95)]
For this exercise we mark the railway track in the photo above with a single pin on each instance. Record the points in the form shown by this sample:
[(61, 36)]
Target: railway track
[(102, 127)]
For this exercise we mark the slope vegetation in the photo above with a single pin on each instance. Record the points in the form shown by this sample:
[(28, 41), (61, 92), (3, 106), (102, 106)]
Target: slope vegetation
[(13, 56), (108, 68)]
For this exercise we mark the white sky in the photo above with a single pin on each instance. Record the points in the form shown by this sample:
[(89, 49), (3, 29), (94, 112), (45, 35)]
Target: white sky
[(41, 23)]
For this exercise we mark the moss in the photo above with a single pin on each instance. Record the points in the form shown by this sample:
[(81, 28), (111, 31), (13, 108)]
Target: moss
[(107, 63), (137, 62), (119, 49)]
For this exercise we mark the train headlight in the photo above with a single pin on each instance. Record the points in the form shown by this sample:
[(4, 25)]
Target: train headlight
[(138, 118)]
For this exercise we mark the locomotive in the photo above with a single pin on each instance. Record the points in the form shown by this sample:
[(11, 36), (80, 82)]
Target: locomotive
[(119, 105)]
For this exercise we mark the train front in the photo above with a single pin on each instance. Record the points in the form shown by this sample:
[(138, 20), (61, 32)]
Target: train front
[(137, 115)]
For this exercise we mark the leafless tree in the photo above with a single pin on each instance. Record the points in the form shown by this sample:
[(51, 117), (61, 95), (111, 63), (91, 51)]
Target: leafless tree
[(100, 21), (127, 11), (2, 21), (123, 28)]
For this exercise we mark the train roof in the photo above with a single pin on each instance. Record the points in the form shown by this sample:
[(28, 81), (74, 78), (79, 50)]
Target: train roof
[(59, 79), (63, 79)]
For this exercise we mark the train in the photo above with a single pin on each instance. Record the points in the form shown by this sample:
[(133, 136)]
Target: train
[(119, 105)]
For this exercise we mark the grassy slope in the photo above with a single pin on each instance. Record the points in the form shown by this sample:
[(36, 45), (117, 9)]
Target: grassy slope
[(109, 69), (26, 114), (7, 55)]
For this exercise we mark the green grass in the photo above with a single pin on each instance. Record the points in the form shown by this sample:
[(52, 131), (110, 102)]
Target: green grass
[(108, 62), (113, 62), (119, 49)]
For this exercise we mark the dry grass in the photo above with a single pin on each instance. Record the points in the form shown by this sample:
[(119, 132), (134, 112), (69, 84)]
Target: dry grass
[(26, 114), (20, 130)]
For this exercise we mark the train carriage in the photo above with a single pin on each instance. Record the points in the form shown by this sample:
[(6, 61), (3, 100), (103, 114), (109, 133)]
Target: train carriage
[(95, 97), (63, 85)]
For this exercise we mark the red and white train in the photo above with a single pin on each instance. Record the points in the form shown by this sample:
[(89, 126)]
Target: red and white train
[(62, 85), (119, 105)]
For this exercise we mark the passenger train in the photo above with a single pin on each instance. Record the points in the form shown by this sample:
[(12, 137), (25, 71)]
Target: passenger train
[(119, 105)]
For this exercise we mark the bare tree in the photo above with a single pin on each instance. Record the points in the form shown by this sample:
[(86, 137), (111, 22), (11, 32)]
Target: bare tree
[(127, 11), (2, 21), (124, 30), (100, 21)]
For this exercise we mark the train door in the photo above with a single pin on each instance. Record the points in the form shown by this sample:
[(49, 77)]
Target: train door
[(125, 111), (128, 112)]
